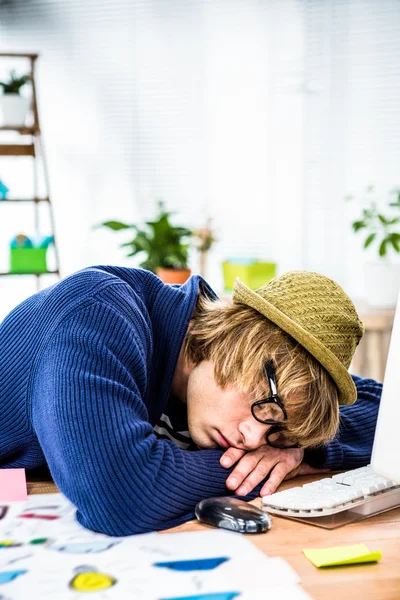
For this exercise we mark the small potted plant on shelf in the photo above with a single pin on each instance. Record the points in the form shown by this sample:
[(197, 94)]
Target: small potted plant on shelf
[(14, 106), (163, 246), (381, 229)]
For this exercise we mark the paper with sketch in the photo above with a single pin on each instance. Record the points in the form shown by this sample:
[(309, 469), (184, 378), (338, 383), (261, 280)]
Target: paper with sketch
[(40, 516), (38, 576), (45, 553)]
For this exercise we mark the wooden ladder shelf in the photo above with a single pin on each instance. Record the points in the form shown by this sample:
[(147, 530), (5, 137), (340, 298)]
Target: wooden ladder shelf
[(30, 146)]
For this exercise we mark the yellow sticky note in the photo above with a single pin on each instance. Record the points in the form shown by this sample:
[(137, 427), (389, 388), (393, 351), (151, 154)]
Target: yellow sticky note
[(341, 555)]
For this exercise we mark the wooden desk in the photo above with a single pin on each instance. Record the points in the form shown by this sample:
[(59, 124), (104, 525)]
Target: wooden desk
[(375, 581)]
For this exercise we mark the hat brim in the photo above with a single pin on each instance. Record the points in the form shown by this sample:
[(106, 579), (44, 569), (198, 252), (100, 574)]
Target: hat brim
[(345, 384)]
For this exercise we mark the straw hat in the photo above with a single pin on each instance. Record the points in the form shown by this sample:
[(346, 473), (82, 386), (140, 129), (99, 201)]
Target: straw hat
[(317, 313)]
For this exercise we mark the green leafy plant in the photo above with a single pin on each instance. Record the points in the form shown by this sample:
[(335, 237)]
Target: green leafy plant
[(14, 84), (381, 230), (162, 244)]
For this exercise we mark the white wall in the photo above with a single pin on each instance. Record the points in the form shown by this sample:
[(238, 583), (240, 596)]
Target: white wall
[(260, 115), (352, 126)]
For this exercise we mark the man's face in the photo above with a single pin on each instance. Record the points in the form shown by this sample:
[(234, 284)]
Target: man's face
[(220, 418)]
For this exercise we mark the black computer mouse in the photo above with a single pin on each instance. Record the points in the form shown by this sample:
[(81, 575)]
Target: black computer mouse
[(233, 514)]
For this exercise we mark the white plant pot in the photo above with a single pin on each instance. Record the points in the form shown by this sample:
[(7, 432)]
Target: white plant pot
[(382, 284), (14, 109)]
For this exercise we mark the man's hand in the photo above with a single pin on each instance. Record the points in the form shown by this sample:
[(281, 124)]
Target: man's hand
[(252, 467)]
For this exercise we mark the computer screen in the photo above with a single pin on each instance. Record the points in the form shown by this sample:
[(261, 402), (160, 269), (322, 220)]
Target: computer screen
[(386, 450)]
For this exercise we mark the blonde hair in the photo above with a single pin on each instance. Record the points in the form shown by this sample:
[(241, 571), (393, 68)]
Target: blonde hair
[(239, 340)]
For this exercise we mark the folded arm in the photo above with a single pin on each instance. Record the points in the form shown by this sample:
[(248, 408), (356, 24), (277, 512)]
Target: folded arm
[(91, 422)]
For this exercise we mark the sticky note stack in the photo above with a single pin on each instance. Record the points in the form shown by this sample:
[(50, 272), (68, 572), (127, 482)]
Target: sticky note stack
[(341, 555), (12, 485)]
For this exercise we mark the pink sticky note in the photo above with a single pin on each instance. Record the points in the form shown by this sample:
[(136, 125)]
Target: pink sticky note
[(12, 485)]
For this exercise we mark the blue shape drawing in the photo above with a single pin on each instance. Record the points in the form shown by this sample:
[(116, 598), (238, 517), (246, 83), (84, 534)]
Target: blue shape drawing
[(91, 547), (217, 596), (3, 190), (7, 576), (197, 564)]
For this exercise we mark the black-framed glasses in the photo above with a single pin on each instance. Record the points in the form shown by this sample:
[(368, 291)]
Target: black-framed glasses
[(271, 411)]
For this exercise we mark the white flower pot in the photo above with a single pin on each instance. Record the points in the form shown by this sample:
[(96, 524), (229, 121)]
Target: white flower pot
[(14, 109), (382, 284)]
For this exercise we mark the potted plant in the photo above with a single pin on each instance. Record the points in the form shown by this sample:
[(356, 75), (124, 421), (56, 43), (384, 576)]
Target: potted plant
[(163, 246), (14, 106), (382, 231)]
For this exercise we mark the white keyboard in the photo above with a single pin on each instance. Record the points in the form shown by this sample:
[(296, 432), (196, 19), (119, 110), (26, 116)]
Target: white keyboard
[(360, 490)]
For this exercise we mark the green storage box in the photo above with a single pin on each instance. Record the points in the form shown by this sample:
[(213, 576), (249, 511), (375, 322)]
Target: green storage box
[(254, 274), (28, 260)]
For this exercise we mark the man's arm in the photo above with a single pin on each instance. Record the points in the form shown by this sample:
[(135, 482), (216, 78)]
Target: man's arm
[(352, 445), (92, 425), (350, 449)]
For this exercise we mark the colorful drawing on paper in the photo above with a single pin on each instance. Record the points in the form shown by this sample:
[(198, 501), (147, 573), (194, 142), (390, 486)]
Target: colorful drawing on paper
[(34, 542), (35, 515), (89, 579), (9, 544), (49, 512), (40, 542), (53, 558), (18, 559), (7, 576), (217, 596), (46, 507), (91, 547), (197, 564), (3, 512)]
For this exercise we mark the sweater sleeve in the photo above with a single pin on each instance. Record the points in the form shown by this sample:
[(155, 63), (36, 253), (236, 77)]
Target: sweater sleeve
[(91, 421), (352, 446)]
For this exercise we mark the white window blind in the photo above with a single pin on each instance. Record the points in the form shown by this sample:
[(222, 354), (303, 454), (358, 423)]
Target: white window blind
[(352, 121), (144, 100), (261, 115)]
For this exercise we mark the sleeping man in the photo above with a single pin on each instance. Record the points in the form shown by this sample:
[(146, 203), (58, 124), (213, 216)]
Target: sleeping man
[(144, 398)]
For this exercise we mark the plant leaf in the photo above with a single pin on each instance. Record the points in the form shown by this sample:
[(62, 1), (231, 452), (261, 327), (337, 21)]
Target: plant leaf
[(382, 248), (369, 239), (115, 225), (357, 225), (383, 220), (395, 243), (15, 83)]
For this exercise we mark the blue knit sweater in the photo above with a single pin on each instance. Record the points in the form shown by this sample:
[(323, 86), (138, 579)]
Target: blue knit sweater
[(86, 368)]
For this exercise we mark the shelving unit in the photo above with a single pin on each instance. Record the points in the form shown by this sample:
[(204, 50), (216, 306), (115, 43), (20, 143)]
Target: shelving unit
[(31, 145)]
